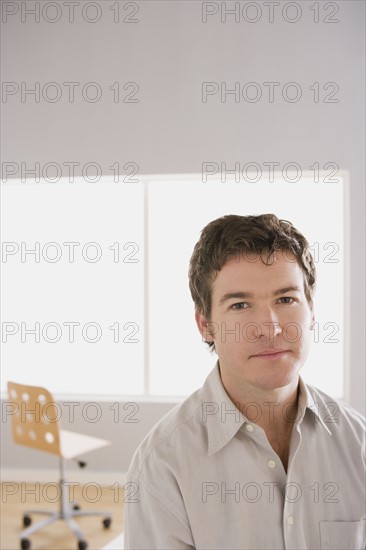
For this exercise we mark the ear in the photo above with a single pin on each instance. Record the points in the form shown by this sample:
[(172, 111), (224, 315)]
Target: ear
[(203, 327), (312, 319)]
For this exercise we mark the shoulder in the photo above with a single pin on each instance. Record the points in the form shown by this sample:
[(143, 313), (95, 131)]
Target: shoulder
[(338, 413), (170, 436)]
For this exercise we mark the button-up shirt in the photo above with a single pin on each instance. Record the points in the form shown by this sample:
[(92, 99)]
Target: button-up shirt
[(206, 477)]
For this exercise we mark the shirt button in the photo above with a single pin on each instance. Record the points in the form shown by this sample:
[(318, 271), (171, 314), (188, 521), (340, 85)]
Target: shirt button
[(271, 464), (290, 520), (249, 427)]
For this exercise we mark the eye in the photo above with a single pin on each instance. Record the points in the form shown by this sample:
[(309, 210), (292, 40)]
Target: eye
[(287, 298), (238, 304)]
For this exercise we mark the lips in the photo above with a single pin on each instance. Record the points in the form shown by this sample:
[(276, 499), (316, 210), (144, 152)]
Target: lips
[(270, 352)]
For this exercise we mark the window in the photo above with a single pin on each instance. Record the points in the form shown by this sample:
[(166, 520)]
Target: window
[(178, 359), (86, 268), (128, 284)]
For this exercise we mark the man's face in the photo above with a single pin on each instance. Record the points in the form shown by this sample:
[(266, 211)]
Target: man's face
[(244, 326)]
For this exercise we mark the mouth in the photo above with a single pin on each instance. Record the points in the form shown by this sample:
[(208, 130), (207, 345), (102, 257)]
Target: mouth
[(269, 355)]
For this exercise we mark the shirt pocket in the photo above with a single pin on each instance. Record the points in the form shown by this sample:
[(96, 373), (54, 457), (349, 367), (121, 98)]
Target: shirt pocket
[(348, 535)]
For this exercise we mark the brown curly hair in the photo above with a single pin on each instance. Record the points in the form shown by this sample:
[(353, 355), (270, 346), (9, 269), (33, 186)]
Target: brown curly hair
[(231, 235)]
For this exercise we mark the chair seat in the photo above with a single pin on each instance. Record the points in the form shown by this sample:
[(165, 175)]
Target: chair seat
[(74, 444)]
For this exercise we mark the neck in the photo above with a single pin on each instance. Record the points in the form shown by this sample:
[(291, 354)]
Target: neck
[(274, 409)]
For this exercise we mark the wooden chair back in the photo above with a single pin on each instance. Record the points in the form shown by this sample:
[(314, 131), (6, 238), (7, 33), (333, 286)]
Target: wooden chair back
[(35, 417)]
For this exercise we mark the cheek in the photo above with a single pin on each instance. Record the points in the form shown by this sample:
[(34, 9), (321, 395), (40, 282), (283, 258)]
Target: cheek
[(297, 317), (296, 327), (298, 333), (294, 334)]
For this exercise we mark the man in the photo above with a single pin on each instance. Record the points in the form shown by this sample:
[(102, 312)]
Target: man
[(256, 458)]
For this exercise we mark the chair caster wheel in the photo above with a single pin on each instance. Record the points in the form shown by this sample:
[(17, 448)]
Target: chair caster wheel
[(107, 523), (76, 507), (83, 545), (25, 544), (27, 520)]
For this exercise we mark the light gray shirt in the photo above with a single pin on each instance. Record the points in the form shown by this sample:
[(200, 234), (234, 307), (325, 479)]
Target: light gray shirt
[(206, 477)]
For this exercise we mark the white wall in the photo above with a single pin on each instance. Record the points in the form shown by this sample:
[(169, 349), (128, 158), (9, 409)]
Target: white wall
[(169, 53)]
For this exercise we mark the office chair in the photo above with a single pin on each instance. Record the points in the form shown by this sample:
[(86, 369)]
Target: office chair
[(35, 423)]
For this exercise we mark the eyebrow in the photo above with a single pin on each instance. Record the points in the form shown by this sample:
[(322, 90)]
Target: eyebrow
[(230, 295)]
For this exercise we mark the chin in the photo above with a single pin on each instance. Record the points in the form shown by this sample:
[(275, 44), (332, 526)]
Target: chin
[(274, 377)]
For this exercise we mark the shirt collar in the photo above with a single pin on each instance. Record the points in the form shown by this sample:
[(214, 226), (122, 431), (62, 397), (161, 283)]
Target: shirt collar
[(306, 402), (223, 419)]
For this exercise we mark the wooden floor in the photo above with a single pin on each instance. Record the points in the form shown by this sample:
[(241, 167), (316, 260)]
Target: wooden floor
[(57, 535)]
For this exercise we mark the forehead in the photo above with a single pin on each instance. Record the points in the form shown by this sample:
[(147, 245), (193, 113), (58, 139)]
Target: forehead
[(250, 274)]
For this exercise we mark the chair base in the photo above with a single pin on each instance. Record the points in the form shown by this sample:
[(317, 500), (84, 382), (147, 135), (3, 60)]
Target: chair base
[(54, 516), (68, 511)]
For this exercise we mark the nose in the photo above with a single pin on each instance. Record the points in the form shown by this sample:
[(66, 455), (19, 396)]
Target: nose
[(267, 326), (269, 330)]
